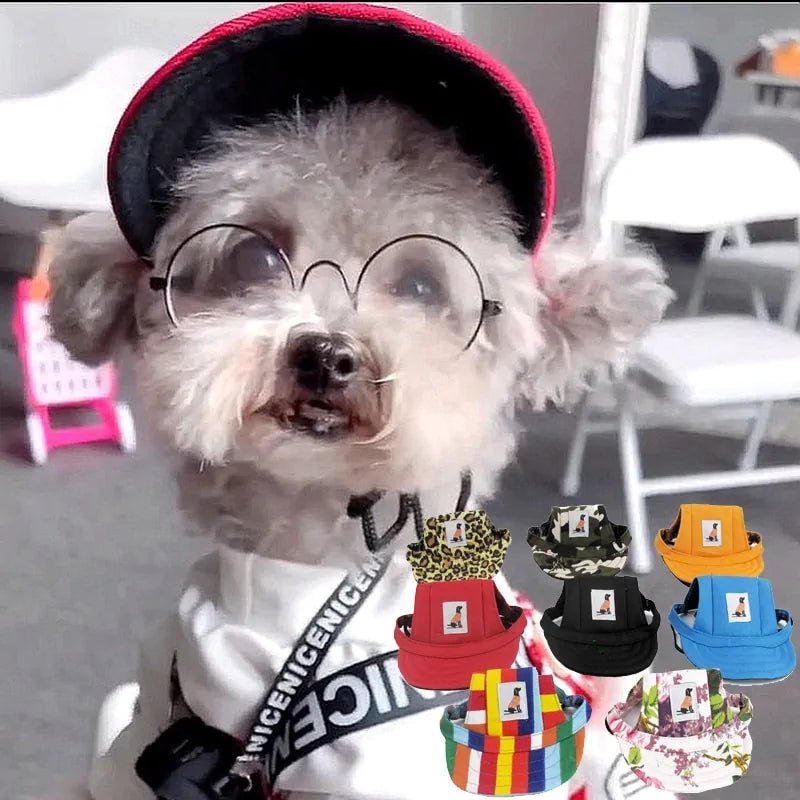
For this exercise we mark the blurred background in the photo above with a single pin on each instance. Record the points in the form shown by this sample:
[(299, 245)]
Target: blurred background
[(702, 99)]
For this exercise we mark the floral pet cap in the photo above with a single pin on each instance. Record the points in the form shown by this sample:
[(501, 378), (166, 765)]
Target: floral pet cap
[(516, 734), (458, 547), (579, 540), (681, 731)]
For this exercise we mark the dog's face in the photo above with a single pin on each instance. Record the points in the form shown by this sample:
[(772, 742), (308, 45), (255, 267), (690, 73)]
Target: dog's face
[(303, 343), (283, 352)]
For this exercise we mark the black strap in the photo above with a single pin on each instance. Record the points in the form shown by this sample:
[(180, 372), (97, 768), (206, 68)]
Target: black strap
[(649, 605), (355, 698), (466, 491), (298, 672), (300, 668), (675, 639), (362, 505), (371, 538), (294, 683)]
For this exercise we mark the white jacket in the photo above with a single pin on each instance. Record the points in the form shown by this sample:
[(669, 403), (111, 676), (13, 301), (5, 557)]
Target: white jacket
[(236, 624)]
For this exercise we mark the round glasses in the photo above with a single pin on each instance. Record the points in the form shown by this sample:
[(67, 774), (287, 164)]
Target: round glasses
[(418, 278)]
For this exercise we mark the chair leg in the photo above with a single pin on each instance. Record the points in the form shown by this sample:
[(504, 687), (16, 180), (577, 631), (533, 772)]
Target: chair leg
[(714, 244), (760, 308), (758, 427), (698, 291), (571, 480), (740, 235), (641, 559)]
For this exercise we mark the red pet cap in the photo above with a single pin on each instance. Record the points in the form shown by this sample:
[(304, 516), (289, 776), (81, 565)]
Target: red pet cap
[(308, 54), (457, 628)]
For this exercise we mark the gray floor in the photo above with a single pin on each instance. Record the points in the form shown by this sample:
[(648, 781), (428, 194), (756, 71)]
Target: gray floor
[(88, 559)]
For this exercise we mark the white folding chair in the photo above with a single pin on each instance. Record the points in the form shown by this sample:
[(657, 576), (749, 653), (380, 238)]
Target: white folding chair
[(729, 365), (767, 183)]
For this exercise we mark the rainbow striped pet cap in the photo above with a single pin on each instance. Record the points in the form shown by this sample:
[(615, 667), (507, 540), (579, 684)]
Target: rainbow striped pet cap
[(516, 734)]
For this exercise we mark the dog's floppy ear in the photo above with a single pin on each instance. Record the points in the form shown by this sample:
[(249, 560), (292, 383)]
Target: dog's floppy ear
[(595, 306), (93, 279)]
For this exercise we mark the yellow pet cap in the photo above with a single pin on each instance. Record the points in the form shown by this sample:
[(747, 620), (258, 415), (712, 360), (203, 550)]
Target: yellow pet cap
[(710, 540)]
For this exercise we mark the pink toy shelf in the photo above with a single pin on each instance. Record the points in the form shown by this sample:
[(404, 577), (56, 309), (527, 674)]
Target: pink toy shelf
[(54, 380)]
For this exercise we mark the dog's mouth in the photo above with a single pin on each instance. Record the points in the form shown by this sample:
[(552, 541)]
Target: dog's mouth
[(315, 416), (315, 395)]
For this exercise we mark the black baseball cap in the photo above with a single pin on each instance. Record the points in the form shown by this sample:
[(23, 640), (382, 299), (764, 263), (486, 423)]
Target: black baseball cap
[(602, 626), (307, 55)]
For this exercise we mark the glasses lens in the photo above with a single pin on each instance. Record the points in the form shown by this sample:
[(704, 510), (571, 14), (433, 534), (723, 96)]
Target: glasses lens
[(221, 265), (426, 281)]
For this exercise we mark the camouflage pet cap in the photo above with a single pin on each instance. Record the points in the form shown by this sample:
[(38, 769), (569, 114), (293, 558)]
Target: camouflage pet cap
[(579, 540)]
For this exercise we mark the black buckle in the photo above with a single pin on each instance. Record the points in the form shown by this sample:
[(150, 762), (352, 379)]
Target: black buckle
[(192, 761)]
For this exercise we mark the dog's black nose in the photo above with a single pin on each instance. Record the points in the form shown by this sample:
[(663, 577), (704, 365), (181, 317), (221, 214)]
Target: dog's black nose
[(322, 361)]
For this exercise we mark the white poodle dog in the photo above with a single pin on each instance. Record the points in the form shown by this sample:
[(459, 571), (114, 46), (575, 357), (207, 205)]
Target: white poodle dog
[(303, 392)]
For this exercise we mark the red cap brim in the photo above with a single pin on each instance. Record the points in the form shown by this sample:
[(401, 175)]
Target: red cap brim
[(451, 666)]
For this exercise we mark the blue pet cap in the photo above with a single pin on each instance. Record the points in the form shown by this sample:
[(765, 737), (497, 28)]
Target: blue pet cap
[(731, 623)]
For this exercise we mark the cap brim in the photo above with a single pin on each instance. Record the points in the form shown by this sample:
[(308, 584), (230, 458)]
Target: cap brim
[(742, 662), (450, 667), (543, 769), (686, 572), (573, 568), (307, 55), (659, 769), (604, 661)]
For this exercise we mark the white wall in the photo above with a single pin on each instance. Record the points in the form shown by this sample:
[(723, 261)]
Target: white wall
[(43, 45), (550, 47)]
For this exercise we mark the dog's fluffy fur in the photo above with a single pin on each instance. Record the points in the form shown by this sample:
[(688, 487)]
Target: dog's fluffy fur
[(337, 185)]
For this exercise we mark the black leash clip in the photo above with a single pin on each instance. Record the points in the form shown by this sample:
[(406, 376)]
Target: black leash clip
[(192, 761)]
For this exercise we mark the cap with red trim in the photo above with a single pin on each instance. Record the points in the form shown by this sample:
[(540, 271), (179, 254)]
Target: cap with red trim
[(270, 60)]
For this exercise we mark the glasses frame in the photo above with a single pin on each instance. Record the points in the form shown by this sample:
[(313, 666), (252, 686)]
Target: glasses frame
[(489, 308)]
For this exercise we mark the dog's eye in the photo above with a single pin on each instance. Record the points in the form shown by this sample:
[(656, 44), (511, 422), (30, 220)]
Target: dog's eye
[(421, 285), (254, 260), (224, 262), (250, 262)]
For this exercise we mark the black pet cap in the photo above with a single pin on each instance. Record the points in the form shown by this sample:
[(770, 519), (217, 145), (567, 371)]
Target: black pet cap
[(307, 55), (602, 626)]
